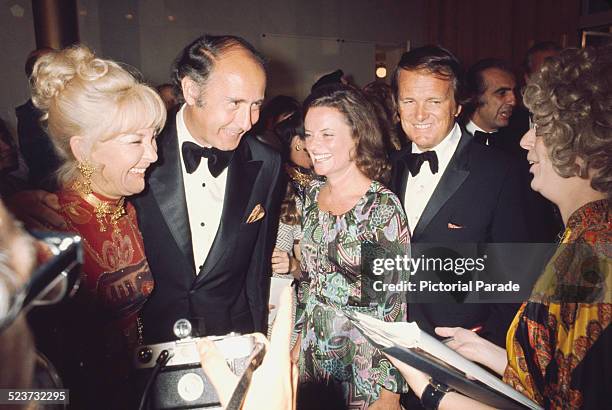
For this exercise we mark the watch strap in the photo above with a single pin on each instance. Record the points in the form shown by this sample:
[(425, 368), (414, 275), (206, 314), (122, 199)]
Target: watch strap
[(433, 394)]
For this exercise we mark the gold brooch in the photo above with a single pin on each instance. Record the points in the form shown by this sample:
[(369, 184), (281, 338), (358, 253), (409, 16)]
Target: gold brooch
[(299, 176)]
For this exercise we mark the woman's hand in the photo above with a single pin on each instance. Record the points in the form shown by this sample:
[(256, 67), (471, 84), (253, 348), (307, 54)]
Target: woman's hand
[(418, 380), (281, 262), (274, 383), (473, 347)]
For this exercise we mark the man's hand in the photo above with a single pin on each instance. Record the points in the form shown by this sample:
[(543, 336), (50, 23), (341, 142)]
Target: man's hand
[(274, 383), (37, 210), (280, 261)]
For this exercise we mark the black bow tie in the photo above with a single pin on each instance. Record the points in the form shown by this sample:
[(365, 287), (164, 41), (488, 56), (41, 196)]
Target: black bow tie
[(415, 161), (485, 138), (217, 160)]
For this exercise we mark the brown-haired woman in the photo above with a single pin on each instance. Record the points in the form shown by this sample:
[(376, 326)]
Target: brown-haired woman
[(350, 208), (381, 96)]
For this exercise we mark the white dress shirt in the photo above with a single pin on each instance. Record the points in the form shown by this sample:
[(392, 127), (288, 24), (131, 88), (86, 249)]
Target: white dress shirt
[(471, 127), (204, 195), (420, 187)]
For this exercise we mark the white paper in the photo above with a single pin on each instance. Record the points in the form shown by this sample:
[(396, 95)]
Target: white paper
[(409, 335), (277, 285)]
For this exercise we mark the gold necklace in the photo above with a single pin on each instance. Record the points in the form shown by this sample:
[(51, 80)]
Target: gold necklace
[(103, 209)]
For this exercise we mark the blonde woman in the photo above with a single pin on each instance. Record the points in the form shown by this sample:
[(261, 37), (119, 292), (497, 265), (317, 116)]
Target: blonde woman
[(103, 123)]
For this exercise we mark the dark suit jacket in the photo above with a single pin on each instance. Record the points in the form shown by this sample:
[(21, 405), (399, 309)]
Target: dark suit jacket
[(543, 219), (230, 292), (36, 147), (479, 191)]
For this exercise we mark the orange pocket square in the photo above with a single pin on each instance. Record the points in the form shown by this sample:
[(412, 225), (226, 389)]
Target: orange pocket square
[(256, 214), (453, 226)]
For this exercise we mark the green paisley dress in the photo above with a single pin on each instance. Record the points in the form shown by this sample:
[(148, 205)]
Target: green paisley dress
[(333, 352)]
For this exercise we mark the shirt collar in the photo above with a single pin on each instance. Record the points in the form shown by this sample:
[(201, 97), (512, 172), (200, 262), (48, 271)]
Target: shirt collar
[(445, 149), (471, 127), (182, 131), (451, 139)]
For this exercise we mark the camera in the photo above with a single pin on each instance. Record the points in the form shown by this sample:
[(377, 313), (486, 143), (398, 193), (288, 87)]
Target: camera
[(55, 279), (181, 382)]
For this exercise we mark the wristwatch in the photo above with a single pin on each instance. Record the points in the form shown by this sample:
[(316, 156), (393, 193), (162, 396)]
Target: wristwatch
[(433, 393)]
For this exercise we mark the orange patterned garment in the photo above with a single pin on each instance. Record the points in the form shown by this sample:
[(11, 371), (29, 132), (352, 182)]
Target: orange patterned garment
[(560, 343)]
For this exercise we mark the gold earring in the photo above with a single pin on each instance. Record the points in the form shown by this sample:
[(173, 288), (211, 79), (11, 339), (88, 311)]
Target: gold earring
[(298, 147), (83, 185)]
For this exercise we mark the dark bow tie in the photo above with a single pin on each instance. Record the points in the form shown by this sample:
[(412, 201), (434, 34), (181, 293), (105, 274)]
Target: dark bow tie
[(217, 160), (415, 161), (485, 138)]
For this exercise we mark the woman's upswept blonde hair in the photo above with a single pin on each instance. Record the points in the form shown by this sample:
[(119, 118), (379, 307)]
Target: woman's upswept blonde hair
[(571, 102), (80, 94)]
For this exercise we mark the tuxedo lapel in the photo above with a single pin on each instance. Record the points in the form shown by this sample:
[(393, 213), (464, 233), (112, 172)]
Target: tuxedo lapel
[(241, 176), (400, 173), (166, 184), (455, 174)]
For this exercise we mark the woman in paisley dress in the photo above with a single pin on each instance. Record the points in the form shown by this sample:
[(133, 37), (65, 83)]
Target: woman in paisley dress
[(103, 123), (559, 346), (344, 215)]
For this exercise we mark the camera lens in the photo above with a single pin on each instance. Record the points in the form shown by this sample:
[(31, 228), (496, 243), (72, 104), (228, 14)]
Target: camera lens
[(182, 328)]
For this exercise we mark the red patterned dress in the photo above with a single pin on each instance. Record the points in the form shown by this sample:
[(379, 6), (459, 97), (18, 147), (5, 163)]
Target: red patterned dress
[(560, 342), (116, 282)]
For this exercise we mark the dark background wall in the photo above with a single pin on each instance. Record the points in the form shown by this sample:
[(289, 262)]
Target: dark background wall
[(475, 29), (148, 34)]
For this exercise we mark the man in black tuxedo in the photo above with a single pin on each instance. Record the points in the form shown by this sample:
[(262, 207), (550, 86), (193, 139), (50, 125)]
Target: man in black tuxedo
[(453, 189), (490, 88), (491, 102), (209, 214)]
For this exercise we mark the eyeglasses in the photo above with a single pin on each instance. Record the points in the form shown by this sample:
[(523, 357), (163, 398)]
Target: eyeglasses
[(532, 123)]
